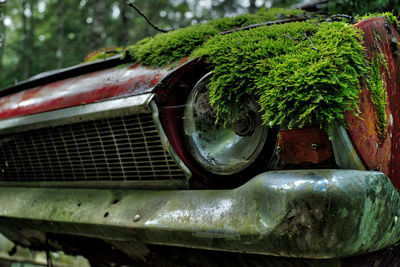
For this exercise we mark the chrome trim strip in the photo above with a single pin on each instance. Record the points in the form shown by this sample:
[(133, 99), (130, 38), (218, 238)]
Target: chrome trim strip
[(150, 184), (165, 142), (346, 156), (106, 109)]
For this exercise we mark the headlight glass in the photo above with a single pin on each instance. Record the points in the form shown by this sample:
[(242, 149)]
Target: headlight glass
[(218, 149)]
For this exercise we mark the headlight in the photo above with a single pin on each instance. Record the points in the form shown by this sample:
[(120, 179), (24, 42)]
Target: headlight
[(218, 149)]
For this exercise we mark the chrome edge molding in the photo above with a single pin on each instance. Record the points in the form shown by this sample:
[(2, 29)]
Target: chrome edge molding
[(346, 156), (139, 184), (99, 110), (165, 142)]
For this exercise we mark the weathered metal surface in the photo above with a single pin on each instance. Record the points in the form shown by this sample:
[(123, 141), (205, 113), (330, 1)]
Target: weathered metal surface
[(308, 145), (380, 153), (308, 213), (84, 89)]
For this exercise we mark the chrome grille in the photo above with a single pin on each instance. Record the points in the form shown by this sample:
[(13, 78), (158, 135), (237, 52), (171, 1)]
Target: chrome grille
[(125, 148)]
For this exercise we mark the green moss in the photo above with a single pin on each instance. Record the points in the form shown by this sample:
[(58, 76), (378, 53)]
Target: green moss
[(296, 84), (103, 53), (165, 48), (301, 73), (389, 16), (378, 96), (377, 85)]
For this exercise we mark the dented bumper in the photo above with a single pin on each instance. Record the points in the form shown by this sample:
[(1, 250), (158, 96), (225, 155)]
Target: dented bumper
[(307, 213)]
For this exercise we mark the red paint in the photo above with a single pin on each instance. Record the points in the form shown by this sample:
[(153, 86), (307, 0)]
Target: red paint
[(297, 146), (377, 152), (83, 89)]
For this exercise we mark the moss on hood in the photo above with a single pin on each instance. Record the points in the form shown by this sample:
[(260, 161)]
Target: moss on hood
[(301, 72), (164, 48)]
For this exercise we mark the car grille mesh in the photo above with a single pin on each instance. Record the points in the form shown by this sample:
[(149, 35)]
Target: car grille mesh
[(118, 149)]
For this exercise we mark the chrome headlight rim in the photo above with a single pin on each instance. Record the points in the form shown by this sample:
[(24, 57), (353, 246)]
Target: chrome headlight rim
[(219, 150)]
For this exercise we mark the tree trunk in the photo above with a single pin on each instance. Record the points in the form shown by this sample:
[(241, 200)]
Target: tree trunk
[(27, 37), (60, 33), (252, 7), (123, 33), (25, 40), (98, 28), (2, 34)]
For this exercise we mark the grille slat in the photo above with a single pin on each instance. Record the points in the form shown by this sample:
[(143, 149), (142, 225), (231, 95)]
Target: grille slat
[(116, 149)]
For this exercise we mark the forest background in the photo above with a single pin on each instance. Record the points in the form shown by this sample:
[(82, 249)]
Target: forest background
[(41, 35)]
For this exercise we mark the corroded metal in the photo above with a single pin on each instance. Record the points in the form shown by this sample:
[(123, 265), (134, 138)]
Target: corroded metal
[(308, 145), (380, 39), (308, 213)]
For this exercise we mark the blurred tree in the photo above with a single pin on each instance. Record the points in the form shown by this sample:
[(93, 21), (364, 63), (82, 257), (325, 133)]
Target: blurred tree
[(353, 7), (50, 34), (28, 33), (2, 32), (60, 33)]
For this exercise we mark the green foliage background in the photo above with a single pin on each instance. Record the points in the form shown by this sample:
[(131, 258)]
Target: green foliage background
[(41, 35)]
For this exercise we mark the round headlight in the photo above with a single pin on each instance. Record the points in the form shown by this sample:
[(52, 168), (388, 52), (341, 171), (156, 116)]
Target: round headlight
[(218, 149)]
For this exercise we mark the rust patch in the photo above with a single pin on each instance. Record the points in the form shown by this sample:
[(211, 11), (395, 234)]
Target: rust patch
[(308, 145), (379, 153)]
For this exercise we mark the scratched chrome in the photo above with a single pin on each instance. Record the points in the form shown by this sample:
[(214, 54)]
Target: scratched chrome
[(307, 213), (88, 88)]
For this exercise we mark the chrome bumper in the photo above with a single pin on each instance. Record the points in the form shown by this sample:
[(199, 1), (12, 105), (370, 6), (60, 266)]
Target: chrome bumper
[(307, 213)]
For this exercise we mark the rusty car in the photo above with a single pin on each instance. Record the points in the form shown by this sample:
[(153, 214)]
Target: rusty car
[(116, 156)]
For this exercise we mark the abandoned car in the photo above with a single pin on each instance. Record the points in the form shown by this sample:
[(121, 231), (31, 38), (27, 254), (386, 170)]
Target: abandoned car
[(131, 154)]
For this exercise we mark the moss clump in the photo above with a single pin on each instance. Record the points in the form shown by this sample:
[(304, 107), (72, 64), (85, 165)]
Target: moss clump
[(377, 87), (302, 72), (389, 16), (165, 48), (103, 53)]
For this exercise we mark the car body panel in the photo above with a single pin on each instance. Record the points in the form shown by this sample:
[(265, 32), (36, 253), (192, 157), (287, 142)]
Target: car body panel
[(377, 152), (97, 86)]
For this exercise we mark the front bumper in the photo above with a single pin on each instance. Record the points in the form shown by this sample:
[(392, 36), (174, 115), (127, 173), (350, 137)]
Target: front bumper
[(306, 213)]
